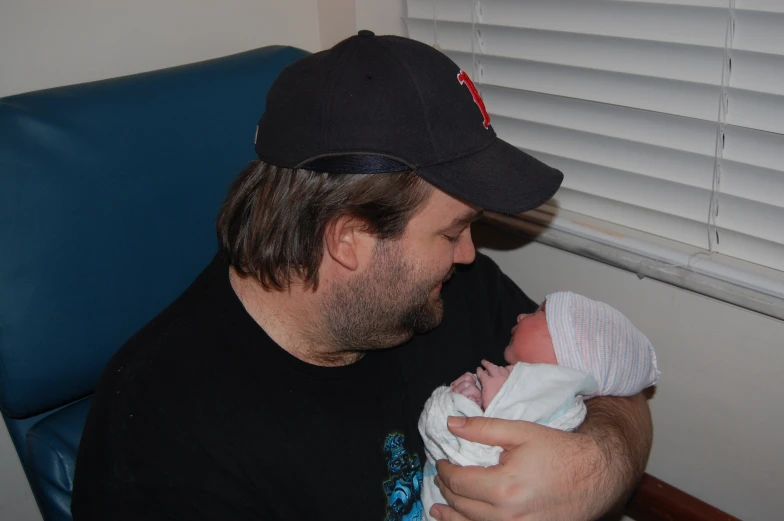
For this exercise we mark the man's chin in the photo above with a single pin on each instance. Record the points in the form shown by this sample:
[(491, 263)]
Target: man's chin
[(431, 316)]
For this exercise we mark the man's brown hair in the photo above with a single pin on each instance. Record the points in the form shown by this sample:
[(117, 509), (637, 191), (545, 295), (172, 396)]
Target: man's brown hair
[(273, 221)]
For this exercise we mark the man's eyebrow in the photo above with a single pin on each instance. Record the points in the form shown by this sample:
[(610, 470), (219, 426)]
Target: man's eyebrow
[(466, 219)]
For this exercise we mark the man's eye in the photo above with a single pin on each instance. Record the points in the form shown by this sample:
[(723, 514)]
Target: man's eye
[(451, 238)]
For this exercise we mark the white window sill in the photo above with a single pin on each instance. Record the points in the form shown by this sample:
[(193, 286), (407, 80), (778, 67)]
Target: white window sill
[(740, 283)]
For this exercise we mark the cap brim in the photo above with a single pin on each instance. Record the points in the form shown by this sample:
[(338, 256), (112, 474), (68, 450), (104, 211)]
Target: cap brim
[(500, 178)]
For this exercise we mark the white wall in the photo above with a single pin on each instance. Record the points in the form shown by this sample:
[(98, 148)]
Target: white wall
[(48, 43), (381, 16)]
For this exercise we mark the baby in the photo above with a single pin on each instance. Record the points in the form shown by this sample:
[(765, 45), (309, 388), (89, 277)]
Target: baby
[(572, 348)]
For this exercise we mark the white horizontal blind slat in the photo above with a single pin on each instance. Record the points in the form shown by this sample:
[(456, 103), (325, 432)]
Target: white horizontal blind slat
[(759, 31), (722, 4), (765, 185), (700, 64), (624, 95), (756, 110), (760, 72), (694, 100), (674, 199), (637, 158), (641, 20), (753, 147), (764, 253), (643, 126), (697, 3), (751, 217), (687, 231), (770, 6)]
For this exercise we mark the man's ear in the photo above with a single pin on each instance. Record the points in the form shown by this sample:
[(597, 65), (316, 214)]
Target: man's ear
[(346, 240)]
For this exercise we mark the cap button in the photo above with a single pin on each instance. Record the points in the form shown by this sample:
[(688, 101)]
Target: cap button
[(366, 33)]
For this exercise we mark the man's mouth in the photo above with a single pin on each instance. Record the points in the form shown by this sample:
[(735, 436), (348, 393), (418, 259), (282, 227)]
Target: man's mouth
[(440, 285), (449, 275)]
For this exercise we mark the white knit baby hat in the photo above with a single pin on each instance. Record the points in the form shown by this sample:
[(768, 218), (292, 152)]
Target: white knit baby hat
[(596, 338)]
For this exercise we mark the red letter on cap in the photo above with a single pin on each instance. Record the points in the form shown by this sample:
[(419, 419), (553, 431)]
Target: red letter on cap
[(463, 78)]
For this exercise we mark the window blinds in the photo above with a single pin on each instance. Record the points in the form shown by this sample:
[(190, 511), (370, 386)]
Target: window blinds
[(665, 116)]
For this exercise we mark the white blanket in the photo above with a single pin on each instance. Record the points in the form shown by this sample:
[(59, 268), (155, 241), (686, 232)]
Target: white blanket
[(546, 394)]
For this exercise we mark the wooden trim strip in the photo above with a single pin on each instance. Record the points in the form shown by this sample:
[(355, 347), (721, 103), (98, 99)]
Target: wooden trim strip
[(655, 500)]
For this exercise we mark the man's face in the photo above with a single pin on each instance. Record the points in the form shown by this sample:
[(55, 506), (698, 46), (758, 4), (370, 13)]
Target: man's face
[(399, 293)]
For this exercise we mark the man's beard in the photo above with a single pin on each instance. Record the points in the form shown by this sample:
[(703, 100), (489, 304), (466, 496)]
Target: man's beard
[(386, 306)]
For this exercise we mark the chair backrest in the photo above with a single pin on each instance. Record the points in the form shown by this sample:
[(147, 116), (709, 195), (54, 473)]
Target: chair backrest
[(108, 197)]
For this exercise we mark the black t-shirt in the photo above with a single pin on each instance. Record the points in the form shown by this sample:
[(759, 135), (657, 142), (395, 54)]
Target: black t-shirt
[(201, 416)]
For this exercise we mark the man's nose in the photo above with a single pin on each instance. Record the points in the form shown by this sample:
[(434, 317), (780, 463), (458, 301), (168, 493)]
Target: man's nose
[(465, 253)]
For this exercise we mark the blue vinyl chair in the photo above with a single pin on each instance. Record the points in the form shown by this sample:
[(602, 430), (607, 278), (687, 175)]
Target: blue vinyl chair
[(108, 197)]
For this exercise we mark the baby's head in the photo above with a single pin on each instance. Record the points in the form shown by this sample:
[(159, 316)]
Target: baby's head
[(576, 332), (531, 341)]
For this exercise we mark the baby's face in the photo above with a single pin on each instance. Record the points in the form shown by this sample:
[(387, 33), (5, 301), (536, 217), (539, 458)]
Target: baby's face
[(531, 341)]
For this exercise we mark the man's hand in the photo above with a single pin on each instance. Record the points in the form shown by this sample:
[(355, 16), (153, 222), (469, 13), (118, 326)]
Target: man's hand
[(545, 474)]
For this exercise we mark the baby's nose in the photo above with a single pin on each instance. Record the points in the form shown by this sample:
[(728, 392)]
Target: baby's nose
[(521, 317)]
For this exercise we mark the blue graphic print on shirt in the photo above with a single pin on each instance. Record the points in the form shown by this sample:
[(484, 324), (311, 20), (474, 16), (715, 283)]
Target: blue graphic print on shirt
[(404, 486)]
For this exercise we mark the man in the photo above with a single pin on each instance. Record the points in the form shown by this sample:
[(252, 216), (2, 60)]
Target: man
[(287, 381)]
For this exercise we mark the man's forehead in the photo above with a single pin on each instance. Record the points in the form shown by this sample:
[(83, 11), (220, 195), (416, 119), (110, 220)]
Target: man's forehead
[(449, 210)]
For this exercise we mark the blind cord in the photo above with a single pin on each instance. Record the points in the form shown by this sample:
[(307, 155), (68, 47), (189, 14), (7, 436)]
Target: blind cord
[(721, 121)]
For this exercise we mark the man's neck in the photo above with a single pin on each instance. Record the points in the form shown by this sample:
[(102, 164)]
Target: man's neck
[(291, 318)]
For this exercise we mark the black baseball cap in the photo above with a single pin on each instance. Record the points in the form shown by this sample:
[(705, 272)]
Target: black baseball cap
[(382, 104)]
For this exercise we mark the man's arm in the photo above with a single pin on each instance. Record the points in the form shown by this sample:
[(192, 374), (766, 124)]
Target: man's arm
[(623, 430), (546, 474)]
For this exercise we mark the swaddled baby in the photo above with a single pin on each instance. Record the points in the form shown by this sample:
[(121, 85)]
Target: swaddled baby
[(572, 348)]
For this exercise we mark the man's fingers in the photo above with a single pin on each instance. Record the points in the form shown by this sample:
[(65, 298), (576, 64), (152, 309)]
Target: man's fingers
[(462, 507), (446, 513), (506, 434), (475, 482)]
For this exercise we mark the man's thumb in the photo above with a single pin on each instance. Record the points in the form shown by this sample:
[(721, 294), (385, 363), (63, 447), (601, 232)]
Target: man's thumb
[(492, 431)]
